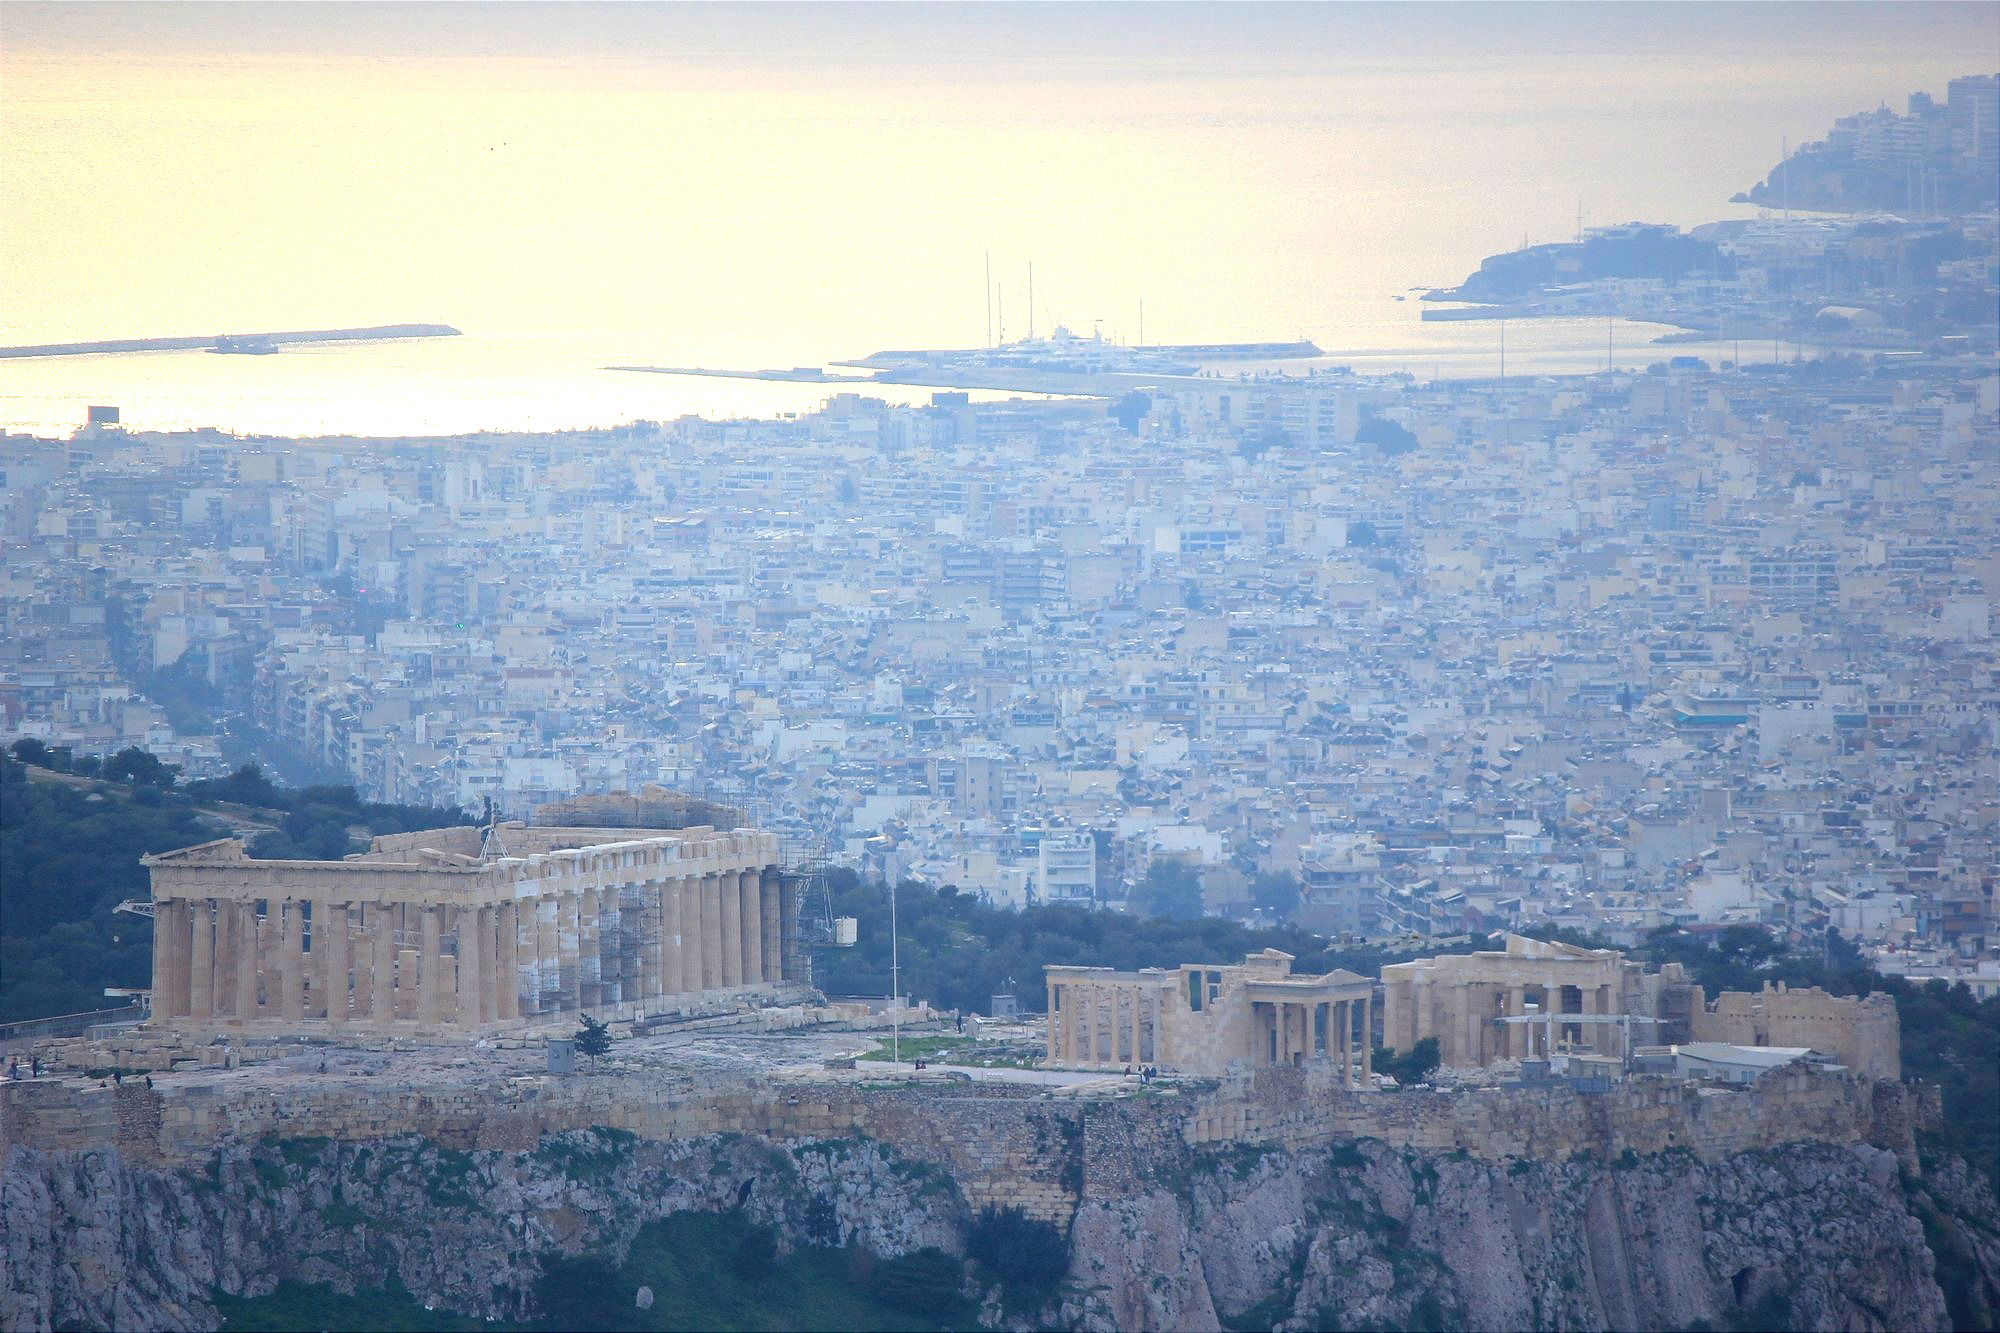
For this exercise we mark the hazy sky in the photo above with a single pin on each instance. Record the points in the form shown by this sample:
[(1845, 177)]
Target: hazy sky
[(801, 180)]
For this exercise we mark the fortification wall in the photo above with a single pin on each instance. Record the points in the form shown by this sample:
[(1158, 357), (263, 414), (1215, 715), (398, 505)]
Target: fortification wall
[(1302, 1109), (1003, 1145), (1863, 1034)]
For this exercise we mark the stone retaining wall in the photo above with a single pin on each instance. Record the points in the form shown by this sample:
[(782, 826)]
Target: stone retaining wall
[(1001, 1144)]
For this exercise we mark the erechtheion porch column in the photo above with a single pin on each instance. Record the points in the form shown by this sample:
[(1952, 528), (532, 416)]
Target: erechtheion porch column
[(1368, 1041), (1346, 1027), (751, 887), (771, 926)]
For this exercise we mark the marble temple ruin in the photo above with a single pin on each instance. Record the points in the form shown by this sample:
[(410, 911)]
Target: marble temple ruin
[(465, 930), (1200, 1019)]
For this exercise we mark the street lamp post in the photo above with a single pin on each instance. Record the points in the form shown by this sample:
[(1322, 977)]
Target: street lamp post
[(895, 984)]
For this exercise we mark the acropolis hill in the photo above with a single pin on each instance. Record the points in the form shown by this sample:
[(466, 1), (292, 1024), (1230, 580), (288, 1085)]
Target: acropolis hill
[(348, 1074)]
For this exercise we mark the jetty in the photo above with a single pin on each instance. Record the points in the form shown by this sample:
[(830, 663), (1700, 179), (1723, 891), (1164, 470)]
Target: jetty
[(231, 341)]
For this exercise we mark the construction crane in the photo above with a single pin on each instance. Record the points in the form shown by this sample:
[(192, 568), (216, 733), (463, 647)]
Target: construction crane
[(1550, 1019)]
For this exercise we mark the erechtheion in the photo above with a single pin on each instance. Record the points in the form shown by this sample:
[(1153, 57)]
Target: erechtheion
[(1202, 1019)]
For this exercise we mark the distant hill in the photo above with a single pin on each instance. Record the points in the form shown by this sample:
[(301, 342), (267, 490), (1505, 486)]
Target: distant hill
[(652, 807), (1636, 250)]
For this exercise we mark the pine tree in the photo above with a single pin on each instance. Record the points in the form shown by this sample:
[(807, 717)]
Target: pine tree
[(592, 1039)]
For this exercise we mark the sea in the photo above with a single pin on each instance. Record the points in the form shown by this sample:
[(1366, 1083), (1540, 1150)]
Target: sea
[(581, 186)]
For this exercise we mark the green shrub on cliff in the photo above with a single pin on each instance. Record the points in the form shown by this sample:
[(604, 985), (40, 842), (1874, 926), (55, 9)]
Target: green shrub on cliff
[(925, 1283), (1024, 1253)]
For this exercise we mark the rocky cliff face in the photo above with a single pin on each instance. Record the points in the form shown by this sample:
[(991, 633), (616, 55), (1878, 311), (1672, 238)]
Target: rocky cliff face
[(1810, 1236), (1361, 1235)]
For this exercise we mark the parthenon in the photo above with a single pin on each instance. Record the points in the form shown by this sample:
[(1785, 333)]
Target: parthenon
[(1200, 1019), (465, 930)]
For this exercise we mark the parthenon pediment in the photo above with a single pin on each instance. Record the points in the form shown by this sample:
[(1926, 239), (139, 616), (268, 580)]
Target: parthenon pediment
[(1523, 946), (222, 849)]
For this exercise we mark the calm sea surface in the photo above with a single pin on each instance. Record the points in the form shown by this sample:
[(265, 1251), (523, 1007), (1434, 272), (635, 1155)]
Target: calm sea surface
[(582, 186)]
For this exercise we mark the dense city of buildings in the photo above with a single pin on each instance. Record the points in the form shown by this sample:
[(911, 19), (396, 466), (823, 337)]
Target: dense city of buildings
[(1688, 645)]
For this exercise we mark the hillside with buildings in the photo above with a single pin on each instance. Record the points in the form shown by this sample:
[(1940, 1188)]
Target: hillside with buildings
[(1933, 158)]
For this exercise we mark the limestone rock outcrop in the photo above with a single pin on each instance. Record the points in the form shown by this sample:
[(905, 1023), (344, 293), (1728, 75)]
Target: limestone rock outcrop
[(1812, 1236)]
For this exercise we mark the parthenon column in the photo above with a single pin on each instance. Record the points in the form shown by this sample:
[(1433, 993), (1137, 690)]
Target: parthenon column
[(495, 972), (247, 955), (709, 889), (228, 956), (771, 928), (381, 922), (471, 963), (672, 972), (167, 964), (1138, 1007), (794, 964), (508, 982), (618, 951), (330, 939), (683, 968), (568, 989), (730, 896), (548, 973), (313, 933), (291, 961), (430, 967), (589, 958), (201, 965), (750, 887), (642, 940)]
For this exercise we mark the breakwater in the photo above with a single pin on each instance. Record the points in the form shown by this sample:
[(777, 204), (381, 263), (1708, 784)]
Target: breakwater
[(209, 342)]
